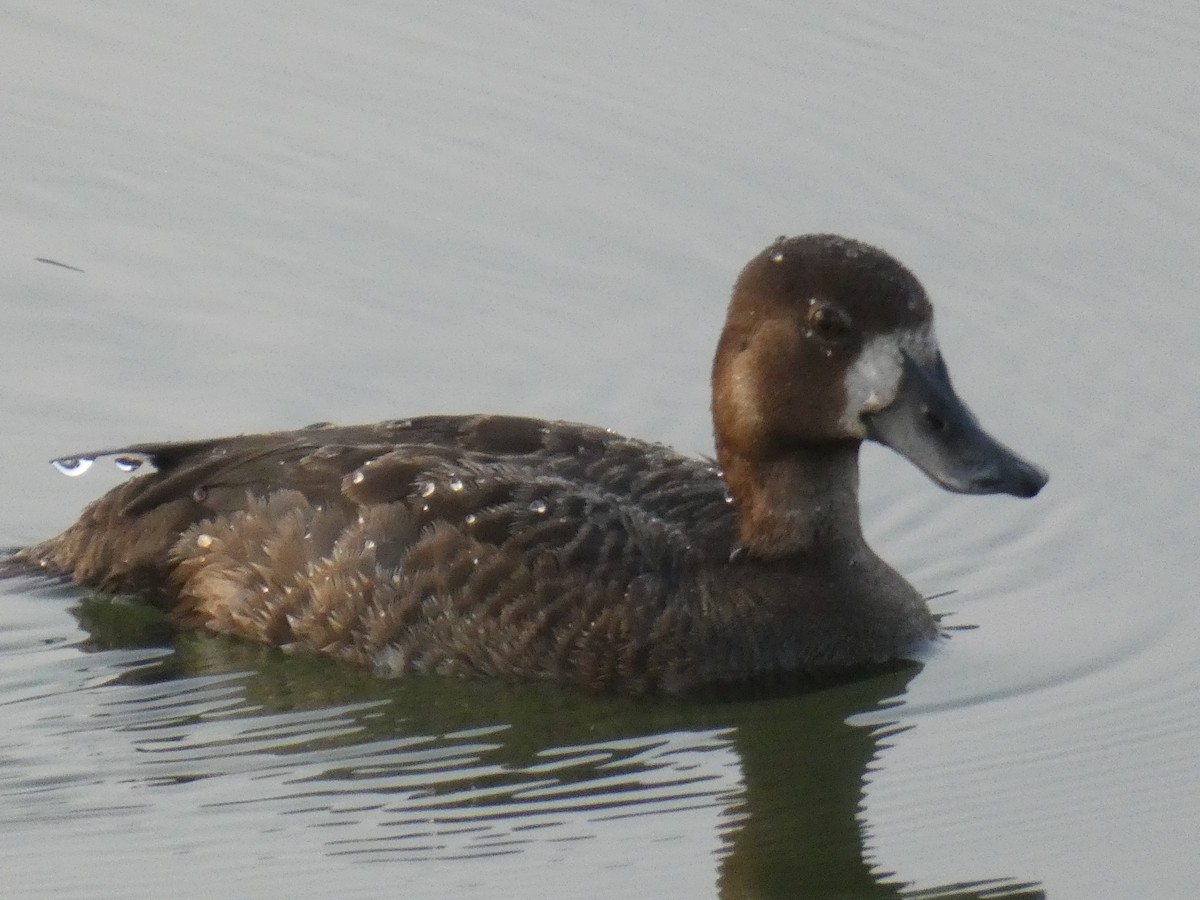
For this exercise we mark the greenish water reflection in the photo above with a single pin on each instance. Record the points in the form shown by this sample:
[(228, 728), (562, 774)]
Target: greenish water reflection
[(497, 758)]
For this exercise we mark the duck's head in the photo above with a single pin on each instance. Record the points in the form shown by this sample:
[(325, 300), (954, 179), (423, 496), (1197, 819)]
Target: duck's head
[(829, 341)]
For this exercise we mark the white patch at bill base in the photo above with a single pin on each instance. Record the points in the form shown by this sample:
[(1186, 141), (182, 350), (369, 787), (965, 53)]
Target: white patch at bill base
[(874, 379)]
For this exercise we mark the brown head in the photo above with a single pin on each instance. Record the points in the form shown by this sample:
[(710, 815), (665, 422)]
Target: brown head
[(828, 342)]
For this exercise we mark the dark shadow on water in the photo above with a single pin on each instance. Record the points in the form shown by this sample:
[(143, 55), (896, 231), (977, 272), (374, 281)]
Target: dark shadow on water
[(472, 755)]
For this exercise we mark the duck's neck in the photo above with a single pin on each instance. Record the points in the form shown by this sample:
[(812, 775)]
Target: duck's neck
[(796, 501)]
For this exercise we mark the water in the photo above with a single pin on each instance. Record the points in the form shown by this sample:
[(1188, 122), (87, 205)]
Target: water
[(289, 213)]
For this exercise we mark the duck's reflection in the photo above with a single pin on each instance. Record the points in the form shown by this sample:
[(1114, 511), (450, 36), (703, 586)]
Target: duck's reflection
[(468, 768)]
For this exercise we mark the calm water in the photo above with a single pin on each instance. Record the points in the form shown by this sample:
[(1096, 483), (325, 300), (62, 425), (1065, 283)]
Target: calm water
[(360, 211)]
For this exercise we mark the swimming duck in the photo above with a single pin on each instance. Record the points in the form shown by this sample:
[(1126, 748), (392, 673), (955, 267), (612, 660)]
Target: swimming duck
[(489, 545)]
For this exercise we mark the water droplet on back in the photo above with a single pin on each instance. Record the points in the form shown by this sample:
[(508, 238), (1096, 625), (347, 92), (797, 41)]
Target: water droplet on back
[(128, 463), (73, 466)]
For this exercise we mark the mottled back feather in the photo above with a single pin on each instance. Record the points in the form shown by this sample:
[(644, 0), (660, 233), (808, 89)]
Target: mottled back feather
[(390, 544)]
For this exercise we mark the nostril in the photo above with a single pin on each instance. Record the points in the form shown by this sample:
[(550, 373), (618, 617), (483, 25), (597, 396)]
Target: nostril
[(933, 420)]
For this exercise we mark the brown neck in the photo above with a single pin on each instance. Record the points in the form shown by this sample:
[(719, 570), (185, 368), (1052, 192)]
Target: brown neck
[(796, 500)]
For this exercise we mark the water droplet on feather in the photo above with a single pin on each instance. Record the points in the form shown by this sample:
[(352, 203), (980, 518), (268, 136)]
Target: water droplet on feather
[(73, 466)]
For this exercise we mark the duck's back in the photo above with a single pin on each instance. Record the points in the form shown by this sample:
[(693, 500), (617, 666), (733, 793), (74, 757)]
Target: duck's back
[(453, 544)]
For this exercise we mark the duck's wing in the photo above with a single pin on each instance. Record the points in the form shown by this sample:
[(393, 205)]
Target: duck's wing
[(583, 494), (310, 458), (452, 544)]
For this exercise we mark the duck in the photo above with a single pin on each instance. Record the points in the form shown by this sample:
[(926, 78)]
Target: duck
[(530, 550)]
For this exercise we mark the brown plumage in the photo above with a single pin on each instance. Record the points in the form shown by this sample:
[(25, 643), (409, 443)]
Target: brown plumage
[(520, 548)]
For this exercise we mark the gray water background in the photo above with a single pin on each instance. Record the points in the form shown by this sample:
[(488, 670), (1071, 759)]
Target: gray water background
[(288, 212)]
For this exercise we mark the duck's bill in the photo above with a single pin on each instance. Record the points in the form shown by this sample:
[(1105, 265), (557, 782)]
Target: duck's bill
[(929, 426)]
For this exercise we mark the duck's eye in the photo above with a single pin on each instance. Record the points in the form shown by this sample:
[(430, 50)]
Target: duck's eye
[(828, 321)]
